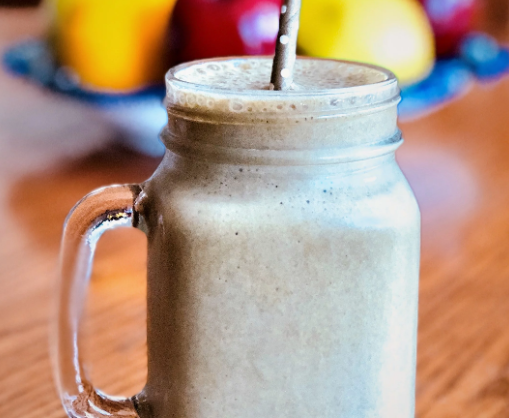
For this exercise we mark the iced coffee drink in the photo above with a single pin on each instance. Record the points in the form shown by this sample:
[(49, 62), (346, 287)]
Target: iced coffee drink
[(283, 247)]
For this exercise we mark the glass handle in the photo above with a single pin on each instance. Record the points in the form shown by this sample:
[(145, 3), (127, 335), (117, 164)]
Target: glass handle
[(106, 208)]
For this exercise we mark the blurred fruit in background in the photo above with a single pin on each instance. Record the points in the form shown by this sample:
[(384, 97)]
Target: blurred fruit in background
[(205, 28), (126, 45), (112, 54), (115, 45), (451, 20), (395, 34)]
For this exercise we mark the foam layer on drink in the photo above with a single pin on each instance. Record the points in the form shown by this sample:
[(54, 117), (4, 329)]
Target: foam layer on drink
[(242, 86), (254, 74)]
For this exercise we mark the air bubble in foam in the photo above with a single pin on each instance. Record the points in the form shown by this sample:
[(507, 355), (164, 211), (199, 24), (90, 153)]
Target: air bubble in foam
[(191, 100), (236, 106)]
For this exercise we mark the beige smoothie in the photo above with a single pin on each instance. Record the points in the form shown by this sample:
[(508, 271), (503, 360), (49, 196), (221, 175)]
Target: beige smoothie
[(283, 247)]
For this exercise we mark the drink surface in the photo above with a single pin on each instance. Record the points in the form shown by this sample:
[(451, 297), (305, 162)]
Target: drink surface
[(254, 74), (242, 85)]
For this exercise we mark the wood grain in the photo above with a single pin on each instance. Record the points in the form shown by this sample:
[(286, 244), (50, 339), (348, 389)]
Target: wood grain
[(53, 151)]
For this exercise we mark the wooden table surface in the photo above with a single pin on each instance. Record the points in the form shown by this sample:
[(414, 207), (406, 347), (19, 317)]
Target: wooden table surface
[(53, 151)]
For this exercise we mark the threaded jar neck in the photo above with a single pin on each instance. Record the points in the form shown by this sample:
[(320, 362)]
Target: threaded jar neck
[(222, 107)]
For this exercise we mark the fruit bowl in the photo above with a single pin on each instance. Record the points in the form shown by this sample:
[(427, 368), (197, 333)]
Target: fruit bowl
[(140, 115)]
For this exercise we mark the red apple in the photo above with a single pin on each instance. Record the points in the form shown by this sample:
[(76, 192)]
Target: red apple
[(216, 28), (451, 21)]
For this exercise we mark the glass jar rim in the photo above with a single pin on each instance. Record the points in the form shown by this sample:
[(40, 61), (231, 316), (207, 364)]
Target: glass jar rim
[(185, 95)]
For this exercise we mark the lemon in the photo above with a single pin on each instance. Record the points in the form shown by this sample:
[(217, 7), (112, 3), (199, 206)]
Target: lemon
[(394, 34), (112, 45)]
